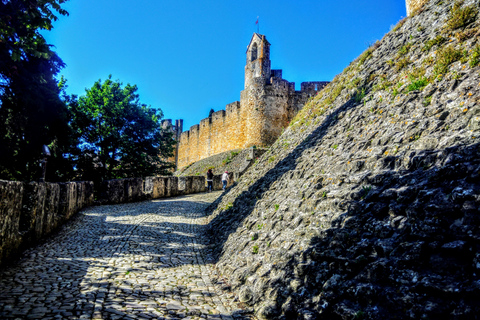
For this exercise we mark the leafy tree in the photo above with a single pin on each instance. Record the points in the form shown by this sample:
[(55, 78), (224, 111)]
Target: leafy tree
[(119, 137), (31, 111)]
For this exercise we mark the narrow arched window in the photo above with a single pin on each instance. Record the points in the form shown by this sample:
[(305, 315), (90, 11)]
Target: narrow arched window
[(254, 52)]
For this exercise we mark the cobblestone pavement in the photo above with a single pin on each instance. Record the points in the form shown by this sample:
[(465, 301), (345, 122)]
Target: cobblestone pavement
[(130, 261)]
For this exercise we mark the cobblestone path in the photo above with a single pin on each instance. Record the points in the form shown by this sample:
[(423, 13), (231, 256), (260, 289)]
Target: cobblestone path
[(131, 261)]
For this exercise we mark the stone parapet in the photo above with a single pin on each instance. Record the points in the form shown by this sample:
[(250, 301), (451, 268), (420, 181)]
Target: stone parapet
[(31, 211), (189, 185)]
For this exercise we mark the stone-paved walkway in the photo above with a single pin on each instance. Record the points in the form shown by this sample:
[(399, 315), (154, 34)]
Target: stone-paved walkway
[(130, 261)]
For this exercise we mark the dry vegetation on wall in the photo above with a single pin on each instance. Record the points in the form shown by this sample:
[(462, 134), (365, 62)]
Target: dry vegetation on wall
[(452, 43), (368, 205)]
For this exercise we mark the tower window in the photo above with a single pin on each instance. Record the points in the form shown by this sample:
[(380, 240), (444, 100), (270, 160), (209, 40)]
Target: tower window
[(254, 53)]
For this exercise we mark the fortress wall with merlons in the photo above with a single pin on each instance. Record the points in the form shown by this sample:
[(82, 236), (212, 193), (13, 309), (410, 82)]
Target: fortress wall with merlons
[(220, 132), (258, 120)]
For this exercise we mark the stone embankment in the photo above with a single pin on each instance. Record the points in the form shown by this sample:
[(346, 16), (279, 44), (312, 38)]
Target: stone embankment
[(127, 261), (368, 206), (236, 161)]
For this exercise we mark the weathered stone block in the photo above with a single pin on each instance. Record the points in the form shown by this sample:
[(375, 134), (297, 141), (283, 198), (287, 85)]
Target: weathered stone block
[(31, 219), (89, 193), (182, 185), (11, 195), (80, 196), (67, 201), (133, 189), (158, 190), (217, 181), (191, 184), (148, 184), (113, 191), (198, 184), (171, 186), (51, 209)]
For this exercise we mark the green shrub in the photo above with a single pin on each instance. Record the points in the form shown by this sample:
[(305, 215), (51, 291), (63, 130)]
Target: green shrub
[(467, 34), (475, 57), (359, 95), (395, 92), (427, 101), (417, 84), (399, 24), (365, 56), (438, 40), (402, 63), (459, 16), (405, 49), (445, 57), (383, 85), (354, 83)]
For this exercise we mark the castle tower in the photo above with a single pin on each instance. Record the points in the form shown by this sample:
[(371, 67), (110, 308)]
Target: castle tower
[(267, 105), (258, 59), (176, 130), (413, 5)]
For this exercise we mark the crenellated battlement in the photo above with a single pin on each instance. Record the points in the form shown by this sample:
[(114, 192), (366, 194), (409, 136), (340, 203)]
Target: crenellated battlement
[(267, 104)]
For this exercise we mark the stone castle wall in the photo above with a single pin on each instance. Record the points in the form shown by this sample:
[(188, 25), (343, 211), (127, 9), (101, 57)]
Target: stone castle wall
[(413, 5), (266, 106), (257, 120), (221, 132)]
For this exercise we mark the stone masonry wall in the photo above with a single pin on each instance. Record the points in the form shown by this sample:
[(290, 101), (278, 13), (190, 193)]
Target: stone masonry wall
[(218, 133), (368, 205), (257, 120), (31, 211)]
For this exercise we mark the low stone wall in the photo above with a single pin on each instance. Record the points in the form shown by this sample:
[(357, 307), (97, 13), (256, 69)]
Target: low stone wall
[(188, 185), (30, 211)]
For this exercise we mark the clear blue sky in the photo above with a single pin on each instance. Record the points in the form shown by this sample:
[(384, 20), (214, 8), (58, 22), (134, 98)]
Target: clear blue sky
[(187, 57)]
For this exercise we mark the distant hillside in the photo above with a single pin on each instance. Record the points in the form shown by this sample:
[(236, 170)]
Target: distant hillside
[(367, 207)]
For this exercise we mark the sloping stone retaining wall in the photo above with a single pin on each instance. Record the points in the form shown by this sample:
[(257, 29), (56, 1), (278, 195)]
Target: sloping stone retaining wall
[(31, 211)]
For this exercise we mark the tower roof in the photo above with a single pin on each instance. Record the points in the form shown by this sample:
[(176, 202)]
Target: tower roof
[(261, 37)]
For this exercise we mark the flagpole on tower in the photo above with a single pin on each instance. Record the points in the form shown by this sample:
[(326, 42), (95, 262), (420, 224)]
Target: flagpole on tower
[(258, 25)]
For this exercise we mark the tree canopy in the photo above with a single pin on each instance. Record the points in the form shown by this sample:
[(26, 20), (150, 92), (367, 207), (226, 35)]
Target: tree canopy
[(118, 136), (31, 111), (105, 134)]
